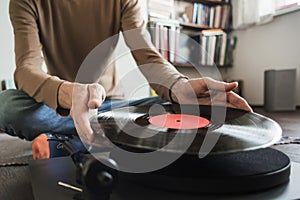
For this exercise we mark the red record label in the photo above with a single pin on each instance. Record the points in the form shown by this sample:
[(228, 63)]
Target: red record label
[(179, 121)]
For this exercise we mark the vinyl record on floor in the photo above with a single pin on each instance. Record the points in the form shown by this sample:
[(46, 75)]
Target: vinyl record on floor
[(140, 129)]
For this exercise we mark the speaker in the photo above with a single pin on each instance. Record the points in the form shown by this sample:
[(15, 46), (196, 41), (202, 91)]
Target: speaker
[(280, 90)]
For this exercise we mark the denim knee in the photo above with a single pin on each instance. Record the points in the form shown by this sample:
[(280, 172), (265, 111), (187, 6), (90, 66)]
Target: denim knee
[(14, 106), (6, 106), (22, 116)]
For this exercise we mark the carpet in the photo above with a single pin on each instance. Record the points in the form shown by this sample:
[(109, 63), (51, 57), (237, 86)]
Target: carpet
[(13, 149), (15, 182)]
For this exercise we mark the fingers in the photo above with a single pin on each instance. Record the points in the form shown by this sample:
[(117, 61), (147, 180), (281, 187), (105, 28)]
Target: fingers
[(86, 99), (219, 85), (238, 102), (217, 89), (231, 99), (230, 86), (96, 95), (83, 127), (209, 91)]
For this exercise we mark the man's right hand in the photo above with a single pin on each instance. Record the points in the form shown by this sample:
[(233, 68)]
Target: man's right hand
[(81, 99)]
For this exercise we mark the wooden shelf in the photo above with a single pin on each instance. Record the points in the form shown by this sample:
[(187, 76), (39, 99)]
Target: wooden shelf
[(190, 65), (207, 2), (192, 25), (182, 65)]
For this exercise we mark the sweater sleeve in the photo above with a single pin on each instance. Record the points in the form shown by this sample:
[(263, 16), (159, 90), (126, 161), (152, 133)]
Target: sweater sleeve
[(159, 72), (29, 75)]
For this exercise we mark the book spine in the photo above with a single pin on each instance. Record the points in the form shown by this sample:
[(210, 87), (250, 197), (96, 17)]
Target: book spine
[(211, 50), (172, 43), (203, 50), (211, 19), (223, 49), (195, 12)]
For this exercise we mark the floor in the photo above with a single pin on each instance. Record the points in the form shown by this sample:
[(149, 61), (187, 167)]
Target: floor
[(289, 120), (290, 124)]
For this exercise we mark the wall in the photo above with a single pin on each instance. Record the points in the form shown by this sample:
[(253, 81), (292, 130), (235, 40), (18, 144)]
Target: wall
[(272, 46), (7, 64)]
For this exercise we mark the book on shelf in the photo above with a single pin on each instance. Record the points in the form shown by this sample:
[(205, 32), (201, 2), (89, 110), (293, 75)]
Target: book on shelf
[(203, 47), (216, 16), (165, 42), (230, 46), (206, 41), (164, 37), (161, 9), (219, 48), (172, 34), (206, 48), (185, 51), (189, 13), (211, 50)]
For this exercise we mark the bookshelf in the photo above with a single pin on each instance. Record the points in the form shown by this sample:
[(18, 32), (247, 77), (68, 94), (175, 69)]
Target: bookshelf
[(206, 22), (193, 25)]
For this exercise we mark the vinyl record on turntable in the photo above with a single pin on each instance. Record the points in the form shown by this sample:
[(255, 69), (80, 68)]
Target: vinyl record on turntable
[(139, 129)]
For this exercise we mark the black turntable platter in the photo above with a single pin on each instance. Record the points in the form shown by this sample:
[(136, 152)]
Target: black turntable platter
[(241, 172)]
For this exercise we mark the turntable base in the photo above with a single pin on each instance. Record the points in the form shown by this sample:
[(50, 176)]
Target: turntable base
[(231, 174), (241, 172)]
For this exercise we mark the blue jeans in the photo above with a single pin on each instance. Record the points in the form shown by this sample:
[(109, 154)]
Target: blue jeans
[(22, 116)]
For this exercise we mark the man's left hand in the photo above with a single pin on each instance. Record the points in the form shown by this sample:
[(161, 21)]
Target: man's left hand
[(207, 91)]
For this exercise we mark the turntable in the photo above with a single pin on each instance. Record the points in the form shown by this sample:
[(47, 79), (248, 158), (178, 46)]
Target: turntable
[(191, 149), (216, 153)]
